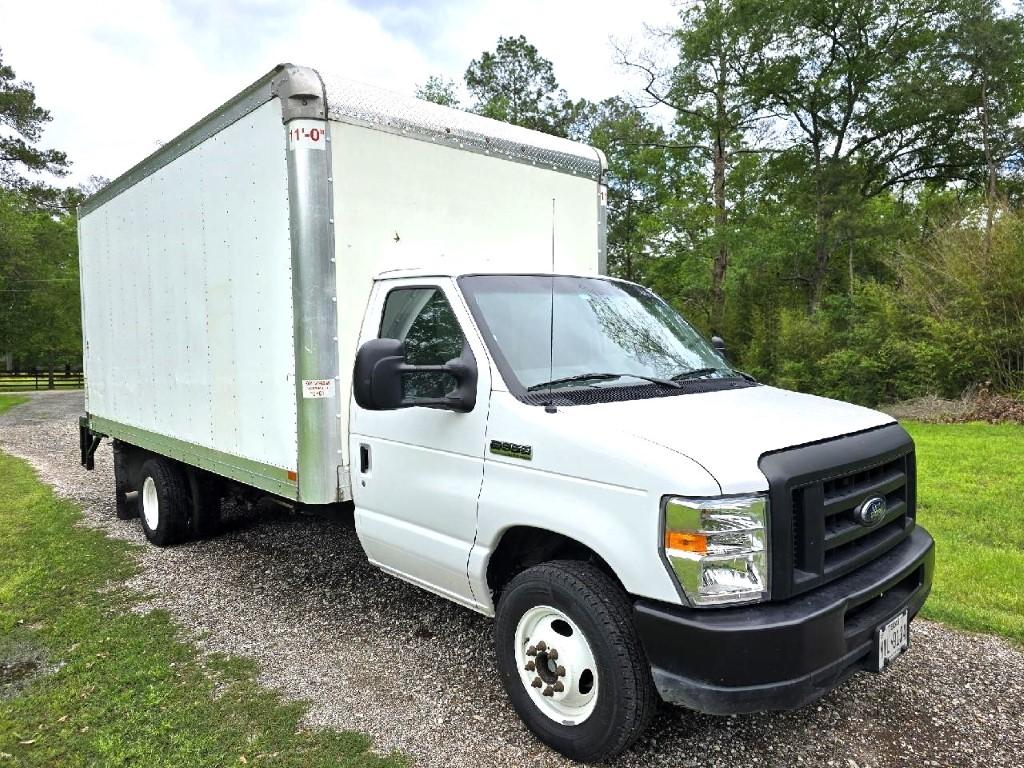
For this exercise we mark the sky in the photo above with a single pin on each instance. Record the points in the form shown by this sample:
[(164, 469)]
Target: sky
[(120, 76)]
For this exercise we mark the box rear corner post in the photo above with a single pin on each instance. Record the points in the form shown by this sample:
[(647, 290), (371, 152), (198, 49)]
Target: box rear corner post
[(602, 213), (314, 286)]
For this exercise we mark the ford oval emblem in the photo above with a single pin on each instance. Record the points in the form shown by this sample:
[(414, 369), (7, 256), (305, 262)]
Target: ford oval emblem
[(870, 511)]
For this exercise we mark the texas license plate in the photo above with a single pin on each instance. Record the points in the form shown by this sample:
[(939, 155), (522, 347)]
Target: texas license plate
[(893, 638)]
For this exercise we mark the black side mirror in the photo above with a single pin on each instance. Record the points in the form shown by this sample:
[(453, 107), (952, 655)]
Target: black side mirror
[(377, 379), (719, 344)]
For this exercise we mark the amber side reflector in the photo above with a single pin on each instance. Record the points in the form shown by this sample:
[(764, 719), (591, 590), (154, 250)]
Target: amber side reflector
[(686, 542), (293, 476)]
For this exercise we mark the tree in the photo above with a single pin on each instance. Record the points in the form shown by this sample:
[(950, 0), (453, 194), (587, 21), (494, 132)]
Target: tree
[(715, 114), (21, 159), (988, 49), (638, 182), (862, 88), (39, 303), (438, 90), (517, 85), (40, 315)]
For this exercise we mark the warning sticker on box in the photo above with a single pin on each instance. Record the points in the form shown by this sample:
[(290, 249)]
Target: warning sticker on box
[(317, 388)]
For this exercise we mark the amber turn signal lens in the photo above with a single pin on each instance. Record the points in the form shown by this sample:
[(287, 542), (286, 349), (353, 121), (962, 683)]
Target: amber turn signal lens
[(686, 542)]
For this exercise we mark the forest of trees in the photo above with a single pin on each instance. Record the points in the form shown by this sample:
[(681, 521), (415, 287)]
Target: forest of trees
[(835, 187), (838, 194), (40, 321)]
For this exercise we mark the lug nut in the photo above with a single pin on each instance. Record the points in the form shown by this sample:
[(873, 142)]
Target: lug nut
[(553, 654), (558, 686), (530, 666), (542, 646), (531, 651), (549, 691), (560, 671), (536, 682)]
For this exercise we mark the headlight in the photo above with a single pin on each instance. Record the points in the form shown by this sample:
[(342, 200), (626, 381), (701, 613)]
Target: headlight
[(718, 548)]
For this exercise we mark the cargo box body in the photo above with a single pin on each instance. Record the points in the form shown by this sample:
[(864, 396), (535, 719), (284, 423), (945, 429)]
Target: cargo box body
[(225, 278)]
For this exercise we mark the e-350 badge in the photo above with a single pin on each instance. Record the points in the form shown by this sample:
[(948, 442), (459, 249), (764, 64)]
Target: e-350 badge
[(512, 450)]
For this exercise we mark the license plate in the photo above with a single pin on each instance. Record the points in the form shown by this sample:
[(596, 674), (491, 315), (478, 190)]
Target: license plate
[(893, 638)]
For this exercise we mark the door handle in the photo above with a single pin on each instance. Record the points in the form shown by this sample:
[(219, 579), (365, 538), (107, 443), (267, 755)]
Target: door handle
[(364, 458)]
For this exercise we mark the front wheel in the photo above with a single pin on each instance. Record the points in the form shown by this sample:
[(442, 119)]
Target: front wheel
[(571, 661)]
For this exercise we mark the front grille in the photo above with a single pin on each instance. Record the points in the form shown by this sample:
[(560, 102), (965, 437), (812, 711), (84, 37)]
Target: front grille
[(845, 540), (815, 491)]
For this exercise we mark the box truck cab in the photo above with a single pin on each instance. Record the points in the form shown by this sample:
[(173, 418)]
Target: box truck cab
[(343, 298)]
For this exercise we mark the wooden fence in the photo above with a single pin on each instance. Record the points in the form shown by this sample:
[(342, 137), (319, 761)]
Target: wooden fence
[(36, 380)]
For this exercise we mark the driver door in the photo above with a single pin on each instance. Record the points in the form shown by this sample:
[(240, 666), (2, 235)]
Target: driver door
[(416, 472)]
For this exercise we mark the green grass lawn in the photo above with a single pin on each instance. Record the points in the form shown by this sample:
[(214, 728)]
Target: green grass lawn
[(7, 401), (971, 499), (84, 681)]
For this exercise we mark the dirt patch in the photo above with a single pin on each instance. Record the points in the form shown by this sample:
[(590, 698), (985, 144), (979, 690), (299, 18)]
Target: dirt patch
[(932, 409), (20, 664)]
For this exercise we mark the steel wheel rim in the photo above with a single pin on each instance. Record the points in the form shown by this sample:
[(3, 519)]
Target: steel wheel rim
[(150, 504), (551, 648)]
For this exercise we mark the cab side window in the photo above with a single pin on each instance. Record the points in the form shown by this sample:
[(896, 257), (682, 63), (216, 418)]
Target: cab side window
[(423, 319)]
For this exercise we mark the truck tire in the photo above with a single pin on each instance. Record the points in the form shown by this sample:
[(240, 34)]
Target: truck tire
[(164, 502), (125, 508), (571, 661)]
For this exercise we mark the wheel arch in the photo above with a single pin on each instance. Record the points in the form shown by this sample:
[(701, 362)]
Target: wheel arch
[(522, 546)]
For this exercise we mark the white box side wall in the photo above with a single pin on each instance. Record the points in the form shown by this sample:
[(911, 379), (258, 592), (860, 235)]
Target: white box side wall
[(187, 292), (405, 203)]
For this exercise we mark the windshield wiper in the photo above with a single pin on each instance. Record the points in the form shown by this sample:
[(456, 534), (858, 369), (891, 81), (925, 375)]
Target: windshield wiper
[(696, 373), (582, 377)]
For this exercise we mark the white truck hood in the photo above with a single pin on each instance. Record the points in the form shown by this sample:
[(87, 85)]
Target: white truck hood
[(728, 431)]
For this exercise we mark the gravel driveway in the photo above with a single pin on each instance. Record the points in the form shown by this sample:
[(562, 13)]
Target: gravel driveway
[(417, 673)]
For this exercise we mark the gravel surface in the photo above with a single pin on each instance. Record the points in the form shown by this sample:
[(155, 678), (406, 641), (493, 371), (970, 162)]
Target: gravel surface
[(417, 673)]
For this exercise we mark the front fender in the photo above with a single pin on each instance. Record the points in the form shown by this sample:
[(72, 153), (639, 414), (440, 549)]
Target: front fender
[(620, 524)]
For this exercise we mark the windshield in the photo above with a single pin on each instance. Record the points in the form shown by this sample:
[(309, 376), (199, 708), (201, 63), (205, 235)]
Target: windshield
[(605, 333)]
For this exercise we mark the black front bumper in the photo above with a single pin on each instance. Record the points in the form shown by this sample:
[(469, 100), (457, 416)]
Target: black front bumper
[(782, 655)]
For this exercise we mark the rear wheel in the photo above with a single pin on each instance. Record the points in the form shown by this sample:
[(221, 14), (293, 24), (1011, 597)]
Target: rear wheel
[(164, 502), (571, 661)]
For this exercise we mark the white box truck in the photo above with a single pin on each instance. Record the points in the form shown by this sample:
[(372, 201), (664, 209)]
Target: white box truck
[(342, 298)]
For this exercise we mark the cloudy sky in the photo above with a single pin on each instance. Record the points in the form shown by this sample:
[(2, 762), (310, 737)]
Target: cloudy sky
[(121, 75)]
